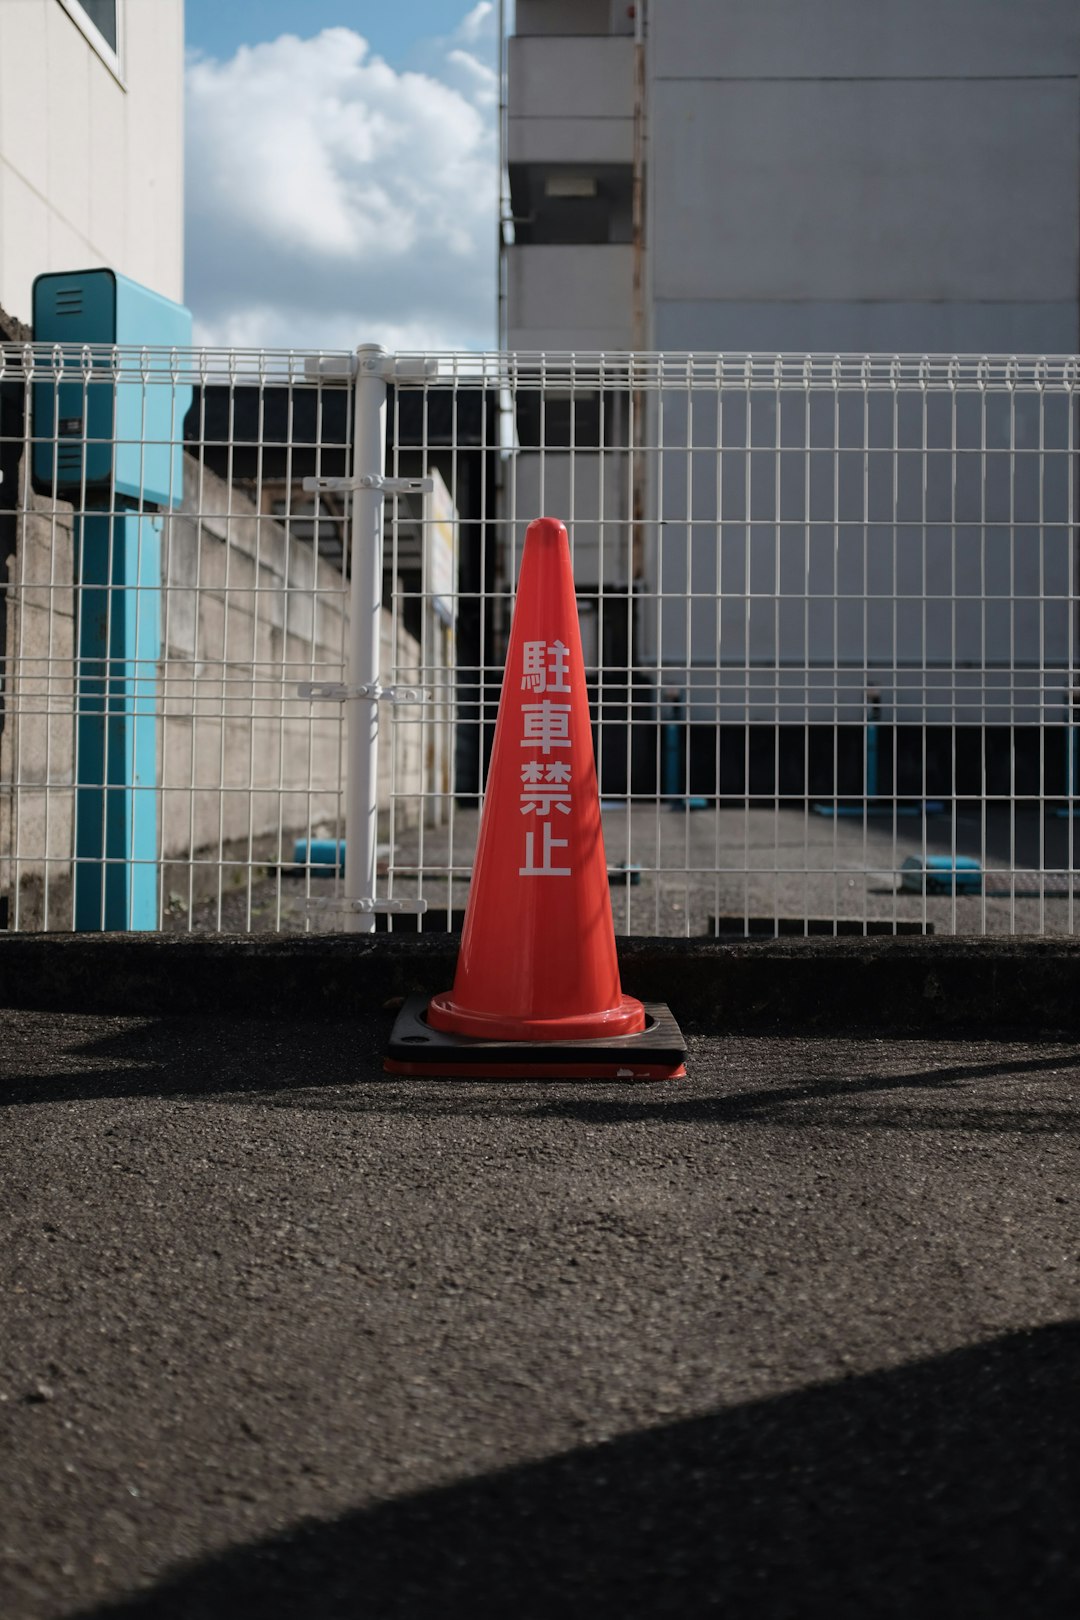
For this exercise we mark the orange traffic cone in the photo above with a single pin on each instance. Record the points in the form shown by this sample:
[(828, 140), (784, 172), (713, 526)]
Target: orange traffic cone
[(537, 985)]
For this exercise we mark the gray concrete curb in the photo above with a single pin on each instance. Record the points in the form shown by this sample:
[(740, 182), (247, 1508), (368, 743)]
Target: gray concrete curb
[(930, 985)]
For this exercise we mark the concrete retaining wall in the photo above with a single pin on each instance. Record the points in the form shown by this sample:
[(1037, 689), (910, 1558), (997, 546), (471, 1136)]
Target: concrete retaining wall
[(875, 986), (244, 763)]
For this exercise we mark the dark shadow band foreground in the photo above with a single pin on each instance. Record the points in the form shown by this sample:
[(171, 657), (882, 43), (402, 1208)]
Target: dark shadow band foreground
[(947, 1487)]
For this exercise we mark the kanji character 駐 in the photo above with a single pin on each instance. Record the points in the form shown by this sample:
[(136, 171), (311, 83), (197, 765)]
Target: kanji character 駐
[(534, 667), (557, 671)]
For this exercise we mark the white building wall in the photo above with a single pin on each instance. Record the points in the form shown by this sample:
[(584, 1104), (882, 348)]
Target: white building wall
[(833, 176), (808, 39), (829, 175), (828, 555), (91, 163), (591, 494)]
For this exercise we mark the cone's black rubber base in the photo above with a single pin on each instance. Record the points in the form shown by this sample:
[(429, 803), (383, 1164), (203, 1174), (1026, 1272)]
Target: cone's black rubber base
[(658, 1053)]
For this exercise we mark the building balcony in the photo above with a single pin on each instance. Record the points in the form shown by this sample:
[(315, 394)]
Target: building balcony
[(572, 17), (571, 100), (577, 296)]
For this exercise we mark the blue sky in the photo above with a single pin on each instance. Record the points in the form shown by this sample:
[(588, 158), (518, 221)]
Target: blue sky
[(397, 29), (341, 172)]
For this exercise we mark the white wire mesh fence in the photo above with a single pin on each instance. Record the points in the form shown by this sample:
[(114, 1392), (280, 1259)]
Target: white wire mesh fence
[(828, 606)]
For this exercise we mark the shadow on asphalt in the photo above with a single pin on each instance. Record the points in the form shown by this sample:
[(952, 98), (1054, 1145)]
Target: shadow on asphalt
[(947, 1487), (1018, 836), (320, 1066), (782, 1104)]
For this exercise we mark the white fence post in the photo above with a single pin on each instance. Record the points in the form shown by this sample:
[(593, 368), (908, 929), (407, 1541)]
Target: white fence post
[(365, 618), (362, 692)]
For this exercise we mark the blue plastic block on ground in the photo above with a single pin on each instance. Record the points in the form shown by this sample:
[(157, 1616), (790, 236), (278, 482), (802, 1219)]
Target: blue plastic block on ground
[(320, 852), (941, 874)]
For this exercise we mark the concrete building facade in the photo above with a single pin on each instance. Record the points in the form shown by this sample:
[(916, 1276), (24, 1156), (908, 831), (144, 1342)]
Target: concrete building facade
[(820, 175), (91, 142), (812, 177)]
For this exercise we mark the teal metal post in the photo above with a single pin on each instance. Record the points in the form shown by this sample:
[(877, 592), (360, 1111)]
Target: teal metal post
[(119, 645)]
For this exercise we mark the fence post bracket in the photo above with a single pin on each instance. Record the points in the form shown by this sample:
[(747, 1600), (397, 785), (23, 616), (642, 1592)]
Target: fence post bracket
[(369, 481), (366, 906), (338, 692)]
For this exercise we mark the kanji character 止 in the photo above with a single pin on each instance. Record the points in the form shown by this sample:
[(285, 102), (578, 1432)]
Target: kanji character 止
[(547, 725), (545, 869)]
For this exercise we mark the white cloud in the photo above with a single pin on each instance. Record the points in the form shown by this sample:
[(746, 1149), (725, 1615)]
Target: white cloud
[(483, 79), (333, 200), (479, 22)]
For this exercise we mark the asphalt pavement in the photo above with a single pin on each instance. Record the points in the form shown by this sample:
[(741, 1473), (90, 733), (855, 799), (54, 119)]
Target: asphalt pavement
[(284, 1337)]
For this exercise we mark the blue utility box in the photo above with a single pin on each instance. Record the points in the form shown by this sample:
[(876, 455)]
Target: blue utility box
[(941, 874), (115, 438), (107, 417)]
